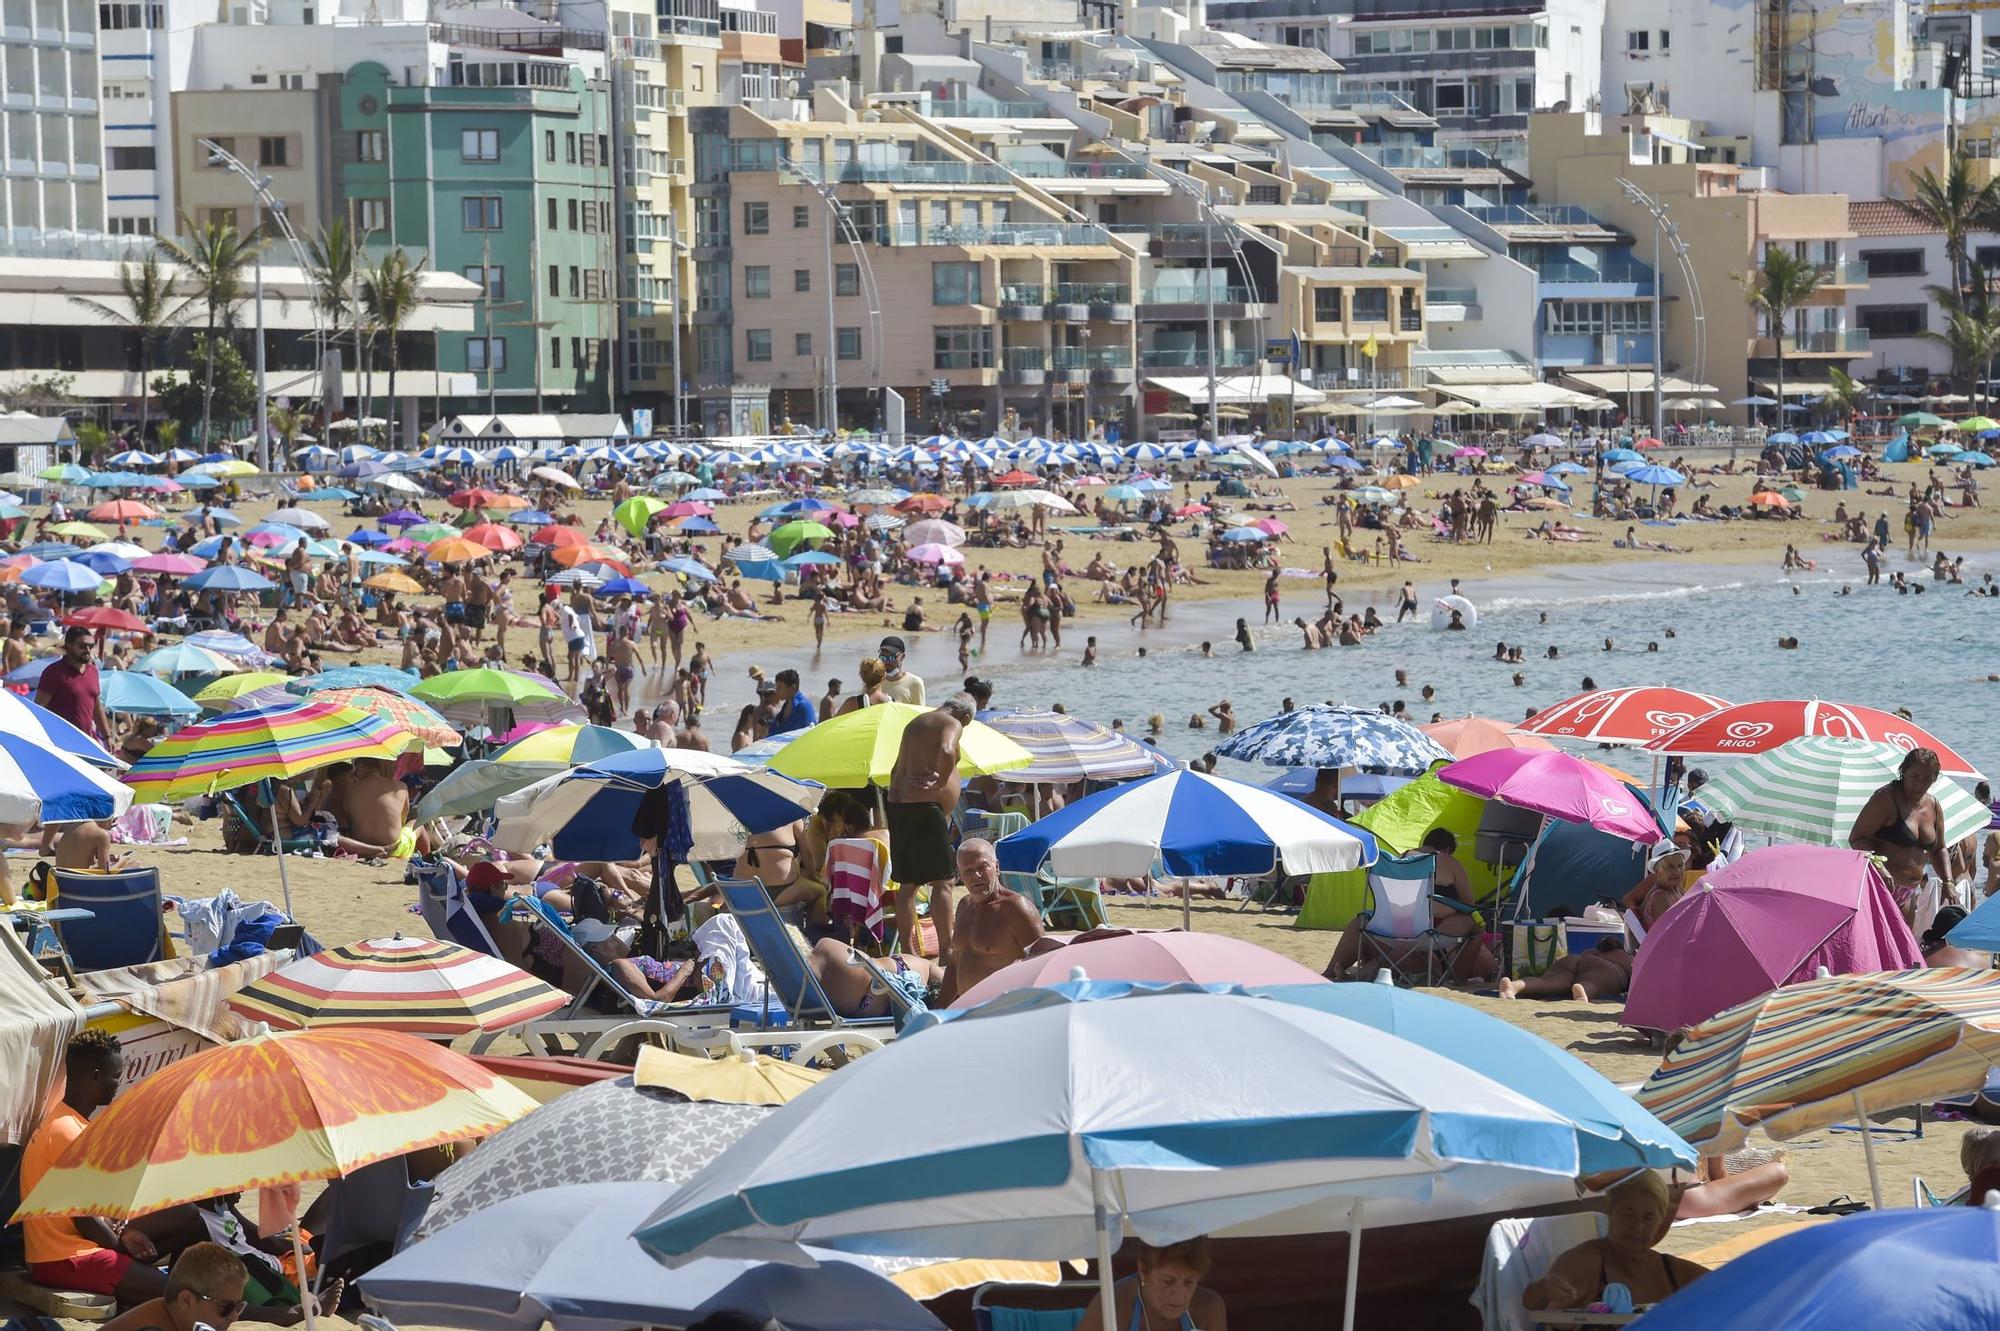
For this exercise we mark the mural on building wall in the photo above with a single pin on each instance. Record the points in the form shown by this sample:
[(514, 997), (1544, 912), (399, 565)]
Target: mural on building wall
[(1859, 62)]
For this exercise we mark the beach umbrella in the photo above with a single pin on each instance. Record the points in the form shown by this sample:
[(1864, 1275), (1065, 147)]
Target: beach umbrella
[(416, 717), (253, 744), (1069, 748), (229, 644), (559, 748), (122, 510), (1613, 1131), (1371, 494), (935, 531), (1655, 475), (554, 533), (935, 554), (1245, 535), (1621, 716), (169, 564), (136, 694), (182, 659), (105, 618), (1981, 460), (793, 534), (860, 748), (1927, 1269), (555, 476), (741, 1078), (594, 805), (228, 578), (687, 568), (1323, 735), (455, 550), (1184, 824), (1813, 789), (623, 586), (493, 537), (423, 533), (394, 582), (1557, 784), (474, 786), (1754, 727), (1821, 1050), (1089, 1138), (62, 575), (1153, 958), (484, 684), (31, 673), (424, 986), (1611, 455), (531, 517), (636, 513), (231, 687), (302, 518), (1476, 734), (54, 786), (356, 677), (566, 1257), (1769, 499), (1773, 917), (570, 556), (476, 497)]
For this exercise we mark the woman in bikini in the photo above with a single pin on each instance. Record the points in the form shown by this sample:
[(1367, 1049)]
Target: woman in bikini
[(1903, 823), (1165, 1295), (1639, 1215), (1586, 977)]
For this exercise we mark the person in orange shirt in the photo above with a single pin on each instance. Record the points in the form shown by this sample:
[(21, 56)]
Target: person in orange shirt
[(85, 1252)]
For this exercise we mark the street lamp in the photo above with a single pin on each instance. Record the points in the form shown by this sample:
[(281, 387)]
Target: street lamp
[(274, 207), (1665, 230)]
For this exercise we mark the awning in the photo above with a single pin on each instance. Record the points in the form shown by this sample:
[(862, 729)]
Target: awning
[(1638, 380), (1798, 387), (1444, 375), (1516, 397), (1242, 388)]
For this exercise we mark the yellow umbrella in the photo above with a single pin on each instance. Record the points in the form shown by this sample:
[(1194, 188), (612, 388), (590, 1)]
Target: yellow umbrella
[(392, 581), (860, 748), (1399, 481), (734, 1079), (230, 467), (231, 687), (79, 529)]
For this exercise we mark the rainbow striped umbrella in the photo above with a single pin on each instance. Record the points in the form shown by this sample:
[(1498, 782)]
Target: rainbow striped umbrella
[(420, 719), (1807, 1055), (420, 985)]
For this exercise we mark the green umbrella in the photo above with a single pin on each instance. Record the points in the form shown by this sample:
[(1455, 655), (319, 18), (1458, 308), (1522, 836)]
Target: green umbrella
[(483, 684), (794, 534), (1812, 790), (1921, 418), (636, 513), (426, 532)]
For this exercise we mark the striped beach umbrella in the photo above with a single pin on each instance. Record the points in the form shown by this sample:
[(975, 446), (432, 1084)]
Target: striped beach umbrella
[(1813, 789), (420, 719), (1069, 748), (1807, 1055), (420, 985)]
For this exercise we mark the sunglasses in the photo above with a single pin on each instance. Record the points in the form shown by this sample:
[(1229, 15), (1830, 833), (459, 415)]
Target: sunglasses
[(229, 1308)]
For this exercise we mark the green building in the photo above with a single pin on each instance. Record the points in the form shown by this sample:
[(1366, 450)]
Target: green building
[(504, 175)]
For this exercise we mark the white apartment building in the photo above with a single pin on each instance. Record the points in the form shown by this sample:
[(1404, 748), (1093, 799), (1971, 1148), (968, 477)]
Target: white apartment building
[(1905, 258), (53, 168)]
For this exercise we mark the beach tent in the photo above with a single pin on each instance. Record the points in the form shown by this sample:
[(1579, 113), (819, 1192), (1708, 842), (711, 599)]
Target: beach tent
[(1897, 449), (1571, 865), (1399, 821)]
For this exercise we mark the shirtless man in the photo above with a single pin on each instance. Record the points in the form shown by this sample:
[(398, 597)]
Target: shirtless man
[(478, 603), (923, 793), (624, 650), (377, 805), (994, 927), (16, 646), (87, 846)]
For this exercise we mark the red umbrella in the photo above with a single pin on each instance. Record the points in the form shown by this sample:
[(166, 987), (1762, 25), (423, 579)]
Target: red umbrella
[(1017, 477), (493, 536), (105, 617), (924, 504), (123, 510), (475, 498), (1621, 716), (557, 535), (1648, 442), (1754, 727)]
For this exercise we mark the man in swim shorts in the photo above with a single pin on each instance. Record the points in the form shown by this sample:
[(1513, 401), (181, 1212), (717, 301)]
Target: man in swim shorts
[(923, 794)]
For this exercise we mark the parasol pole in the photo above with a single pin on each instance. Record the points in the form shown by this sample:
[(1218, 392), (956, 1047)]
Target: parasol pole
[(308, 1294), (1187, 914), (1107, 1292), (278, 840), (1353, 1265), (1868, 1149)]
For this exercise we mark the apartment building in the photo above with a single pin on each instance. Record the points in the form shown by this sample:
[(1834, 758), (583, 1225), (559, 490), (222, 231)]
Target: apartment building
[(1904, 258), (52, 173)]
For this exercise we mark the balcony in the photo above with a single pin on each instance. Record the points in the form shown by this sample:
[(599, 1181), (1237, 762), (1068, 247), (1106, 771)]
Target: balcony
[(1023, 367), (1101, 365), (1110, 302), (1022, 300), (545, 40), (1177, 301), (1636, 277), (1397, 158), (905, 173), (1843, 275), (1043, 235), (1364, 378), (690, 18), (988, 109), (1194, 358), (1058, 169), (1826, 342)]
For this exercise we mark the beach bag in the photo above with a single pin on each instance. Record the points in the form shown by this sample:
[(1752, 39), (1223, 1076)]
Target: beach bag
[(1536, 947)]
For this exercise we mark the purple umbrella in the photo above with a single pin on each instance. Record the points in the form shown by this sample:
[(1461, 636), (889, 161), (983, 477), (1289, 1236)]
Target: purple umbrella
[(402, 517)]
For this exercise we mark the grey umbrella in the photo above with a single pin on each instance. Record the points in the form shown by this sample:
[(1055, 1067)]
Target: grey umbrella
[(608, 1132)]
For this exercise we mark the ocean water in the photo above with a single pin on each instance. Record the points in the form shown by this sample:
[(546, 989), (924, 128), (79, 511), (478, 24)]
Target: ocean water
[(1931, 653)]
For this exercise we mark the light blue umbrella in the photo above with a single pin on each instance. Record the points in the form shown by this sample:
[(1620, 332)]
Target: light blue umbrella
[(228, 578), (101, 562), (1567, 469), (1286, 1121), (1929, 1269), (1124, 494), (178, 658), (1342, 462), (225, 643), (809, 558), (1323, 735), (143, 695), (1245, 535), (1817, 437), (44, 729), (1841, 452), (1972, 460), (1781, 437), (1623, 455), (31, 673), (356, 677), (687, 568), (1653, 474), (566, 1256), (63, 575), (67, 474), (531, 517), (338, 494), (222, 517)]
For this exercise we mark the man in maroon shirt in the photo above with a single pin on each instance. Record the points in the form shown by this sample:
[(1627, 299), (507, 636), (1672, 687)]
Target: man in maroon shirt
[(69, 688)]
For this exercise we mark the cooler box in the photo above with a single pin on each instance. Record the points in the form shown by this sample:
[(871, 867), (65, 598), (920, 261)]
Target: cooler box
[(1581, 935)]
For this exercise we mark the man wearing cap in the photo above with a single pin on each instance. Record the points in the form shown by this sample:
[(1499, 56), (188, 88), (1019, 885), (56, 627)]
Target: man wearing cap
[(923, 794), (898, 683)]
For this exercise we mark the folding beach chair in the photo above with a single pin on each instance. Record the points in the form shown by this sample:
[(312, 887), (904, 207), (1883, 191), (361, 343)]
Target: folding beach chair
[(125, 928), (1057, 1307), (377, 1207), (441, 896), (1518, 1253), (260, 828), (1403, 926), (787, 974)]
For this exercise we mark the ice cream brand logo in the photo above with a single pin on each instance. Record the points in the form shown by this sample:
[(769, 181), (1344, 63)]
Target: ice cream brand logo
[(1665, 721), (1747, 731), (1899, 739), (1614, 808)]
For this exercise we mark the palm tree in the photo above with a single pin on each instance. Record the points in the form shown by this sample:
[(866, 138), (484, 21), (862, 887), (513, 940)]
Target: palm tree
[(1843, 393), (153, 305), (91, 439), (1784, 283), (213, 258), (389, 295), (287, 422), (1971, 334), (1956, 206)]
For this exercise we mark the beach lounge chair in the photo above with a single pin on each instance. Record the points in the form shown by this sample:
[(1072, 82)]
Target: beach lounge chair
[(788, 975), (375, 1207), (1402, 928), (1064, 1303), (441, 897), (125, 928), (260, 828), (1518, 1253)]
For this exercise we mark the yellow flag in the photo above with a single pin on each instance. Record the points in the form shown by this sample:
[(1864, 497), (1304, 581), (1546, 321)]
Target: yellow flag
[(1369, 348)]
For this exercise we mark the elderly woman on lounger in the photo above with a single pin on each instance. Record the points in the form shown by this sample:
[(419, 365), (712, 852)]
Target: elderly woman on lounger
[(1640, 1212)]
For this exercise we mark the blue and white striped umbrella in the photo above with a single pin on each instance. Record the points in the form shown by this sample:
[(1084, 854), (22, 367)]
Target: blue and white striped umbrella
[(63, 575), (587, 812), (464, 456), (37, 781), (1069, 748), (133, 457), (43, 728), (1186, 825), (1329, 736)]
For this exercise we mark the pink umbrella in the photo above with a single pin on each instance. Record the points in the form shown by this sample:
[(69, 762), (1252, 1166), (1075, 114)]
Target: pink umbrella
[(1558, 784), (934, 553), (1271, 525), (522, 730), (173, 565), (1469, 451), (402, 545), (266, 539), (840, 518), (689, 508), (1772, 918), (1158, 958)]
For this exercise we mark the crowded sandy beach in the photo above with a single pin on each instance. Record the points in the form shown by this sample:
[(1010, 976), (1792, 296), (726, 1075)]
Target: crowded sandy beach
[(407, 855)]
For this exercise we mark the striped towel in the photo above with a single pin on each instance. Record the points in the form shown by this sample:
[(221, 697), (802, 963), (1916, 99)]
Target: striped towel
[(854, 873)]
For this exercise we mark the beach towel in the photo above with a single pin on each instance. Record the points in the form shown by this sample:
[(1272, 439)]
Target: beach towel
[(180, 993), (37, 1019), (145, 825), (854, 873), (1517, 1253)]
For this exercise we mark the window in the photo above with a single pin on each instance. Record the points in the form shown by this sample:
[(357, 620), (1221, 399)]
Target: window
[(1371, 304), (603, 150), (711, 222), (756, 219), (1638, 39), (802, 279), (274, 150), (1894, 263), (969, 348), (711, 349), (481, 212), (479, 145), (492, 277), (801, 217), (373, 214), (569, 147), (1449, 99), (370, 145), (1892, 320), (590, 150), (555, 353), (1599, 317), (802, 344), (954, 284), (486, 353), (847, 279), (756, 344), (131, 226), (1326, 305), (554, 213), (756, 282), (555, 281), (549, 145), (575, 282), (130, 159), (1666, 39), (847, 343), (1987, 257), (572, 215)]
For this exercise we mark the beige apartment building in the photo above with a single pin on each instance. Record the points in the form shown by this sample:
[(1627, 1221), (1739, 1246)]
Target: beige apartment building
[(273, 131), (1727, 216)]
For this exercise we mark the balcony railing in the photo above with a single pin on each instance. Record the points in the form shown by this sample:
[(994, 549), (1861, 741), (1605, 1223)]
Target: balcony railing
[(1436, 159), (1452, 295), (1090, 293), (905, 173), (1535, 214), (962, 360), (1852, 341), (1019, 293), (516, 39), (1182, 358), (1044, 234), (1844, 274), (1016, 360), (989, 110), (1612, 271), (690, 18), (1043, 168), (1091, 358), (1195, 294)]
